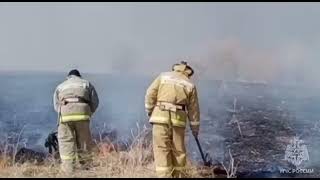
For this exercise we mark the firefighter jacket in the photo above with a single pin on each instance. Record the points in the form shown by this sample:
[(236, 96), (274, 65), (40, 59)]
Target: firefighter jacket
[(75, 99), (172, 98)]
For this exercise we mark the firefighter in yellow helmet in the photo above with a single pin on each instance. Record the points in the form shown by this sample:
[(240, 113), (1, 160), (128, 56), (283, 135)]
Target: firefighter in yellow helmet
[(170, 100), (75, 100)]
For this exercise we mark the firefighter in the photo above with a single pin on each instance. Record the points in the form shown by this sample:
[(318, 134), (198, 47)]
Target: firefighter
[(75, 100), (170, 100)]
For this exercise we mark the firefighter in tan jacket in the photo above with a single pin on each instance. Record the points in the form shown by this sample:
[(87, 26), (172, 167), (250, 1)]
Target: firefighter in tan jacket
[(75, 100), (170, 100)]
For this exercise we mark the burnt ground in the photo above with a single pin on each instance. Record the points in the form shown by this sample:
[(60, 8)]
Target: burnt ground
[(256, 122), (269, 116)]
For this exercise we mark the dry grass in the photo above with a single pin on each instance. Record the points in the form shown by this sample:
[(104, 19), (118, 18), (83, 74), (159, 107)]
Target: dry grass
[(135, 162), (232, 169)]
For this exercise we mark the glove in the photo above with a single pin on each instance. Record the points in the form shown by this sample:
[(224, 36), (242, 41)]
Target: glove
[(195, 133)]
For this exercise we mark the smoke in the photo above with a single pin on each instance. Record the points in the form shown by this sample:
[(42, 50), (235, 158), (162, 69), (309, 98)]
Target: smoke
[(235, 60), (227, 41)]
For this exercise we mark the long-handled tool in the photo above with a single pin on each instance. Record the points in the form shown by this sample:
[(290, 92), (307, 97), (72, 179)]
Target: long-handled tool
[(217, 169), (206, 159)]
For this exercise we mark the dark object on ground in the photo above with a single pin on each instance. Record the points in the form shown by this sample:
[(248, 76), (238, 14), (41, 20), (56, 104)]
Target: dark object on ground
[(219, 170), (29, 155), (216, 170), (52, 142)]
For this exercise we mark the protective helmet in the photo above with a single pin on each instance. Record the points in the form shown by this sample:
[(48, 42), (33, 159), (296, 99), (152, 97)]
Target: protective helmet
[(74, 72), (183, 67)]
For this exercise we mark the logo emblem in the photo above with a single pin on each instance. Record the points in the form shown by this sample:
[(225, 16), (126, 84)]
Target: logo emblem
[(296, 152)]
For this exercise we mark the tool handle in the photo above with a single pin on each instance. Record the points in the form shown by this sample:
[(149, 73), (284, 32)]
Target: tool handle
[(200, 149)]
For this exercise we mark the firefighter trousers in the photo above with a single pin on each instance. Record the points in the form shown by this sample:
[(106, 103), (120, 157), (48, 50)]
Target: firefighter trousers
[(169, 150), (75, 143)]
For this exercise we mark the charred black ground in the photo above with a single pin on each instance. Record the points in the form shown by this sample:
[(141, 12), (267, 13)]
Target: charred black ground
[(254, 122)]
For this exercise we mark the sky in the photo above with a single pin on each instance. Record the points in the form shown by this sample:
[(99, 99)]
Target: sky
[(250, 41)]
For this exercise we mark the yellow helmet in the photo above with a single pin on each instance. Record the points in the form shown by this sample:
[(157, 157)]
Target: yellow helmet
[(183, 67)]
